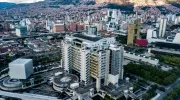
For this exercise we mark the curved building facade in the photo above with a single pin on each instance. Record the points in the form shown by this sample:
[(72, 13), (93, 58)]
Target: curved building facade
[(63, 82)]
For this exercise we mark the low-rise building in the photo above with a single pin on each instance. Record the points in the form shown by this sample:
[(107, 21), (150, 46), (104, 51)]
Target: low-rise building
[(140, 58), (20, 68)]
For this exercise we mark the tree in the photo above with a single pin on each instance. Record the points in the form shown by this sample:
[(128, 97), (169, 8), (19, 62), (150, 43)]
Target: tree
[(162, 89), (152, 73), (173, 94), (107, 97), (170, 60)]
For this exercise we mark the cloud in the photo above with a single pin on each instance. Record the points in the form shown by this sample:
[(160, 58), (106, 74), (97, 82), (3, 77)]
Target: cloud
[(21, 1)]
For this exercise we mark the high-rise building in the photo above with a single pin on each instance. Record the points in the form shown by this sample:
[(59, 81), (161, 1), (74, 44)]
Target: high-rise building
[(138, 27), (93, 57), (151, 33), (49, 25), (21, 31), (113, 15), (131, 29), (6, 26), (162, 28), (26, 23), (116, 69), (134, 31), (98, 66)]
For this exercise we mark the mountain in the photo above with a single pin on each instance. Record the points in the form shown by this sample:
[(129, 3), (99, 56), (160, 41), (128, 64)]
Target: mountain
[(63, 2), (138, 2), (53, 3), (6, 5), (68, 2)]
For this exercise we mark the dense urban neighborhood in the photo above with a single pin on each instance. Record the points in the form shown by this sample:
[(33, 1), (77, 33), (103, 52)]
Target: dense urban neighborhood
[(90, 50)]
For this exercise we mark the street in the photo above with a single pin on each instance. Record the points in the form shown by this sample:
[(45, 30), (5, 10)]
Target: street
[(27, 96), (169, 89)]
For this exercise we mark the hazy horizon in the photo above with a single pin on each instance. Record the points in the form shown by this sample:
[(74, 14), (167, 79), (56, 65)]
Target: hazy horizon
[(20, 1)]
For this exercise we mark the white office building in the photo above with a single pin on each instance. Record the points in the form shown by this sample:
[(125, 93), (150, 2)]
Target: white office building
[(91, 57), (162, 28), (151, 33), (49, 25), (113, 15), (26, 23)]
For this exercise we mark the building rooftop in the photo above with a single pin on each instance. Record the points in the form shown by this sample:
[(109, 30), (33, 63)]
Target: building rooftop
[(20, 61), (167, 45), (64, 81), (21, 27), (166, 51), (117, 90), (85, 89), (87, 37)]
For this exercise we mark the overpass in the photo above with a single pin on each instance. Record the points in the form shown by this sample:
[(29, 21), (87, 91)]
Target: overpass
[(27, 96)]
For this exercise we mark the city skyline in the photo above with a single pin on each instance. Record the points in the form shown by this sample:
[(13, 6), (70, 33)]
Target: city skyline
[(87, 50)]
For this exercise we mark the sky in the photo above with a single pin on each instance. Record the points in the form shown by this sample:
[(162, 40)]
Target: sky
[(21, 1)]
